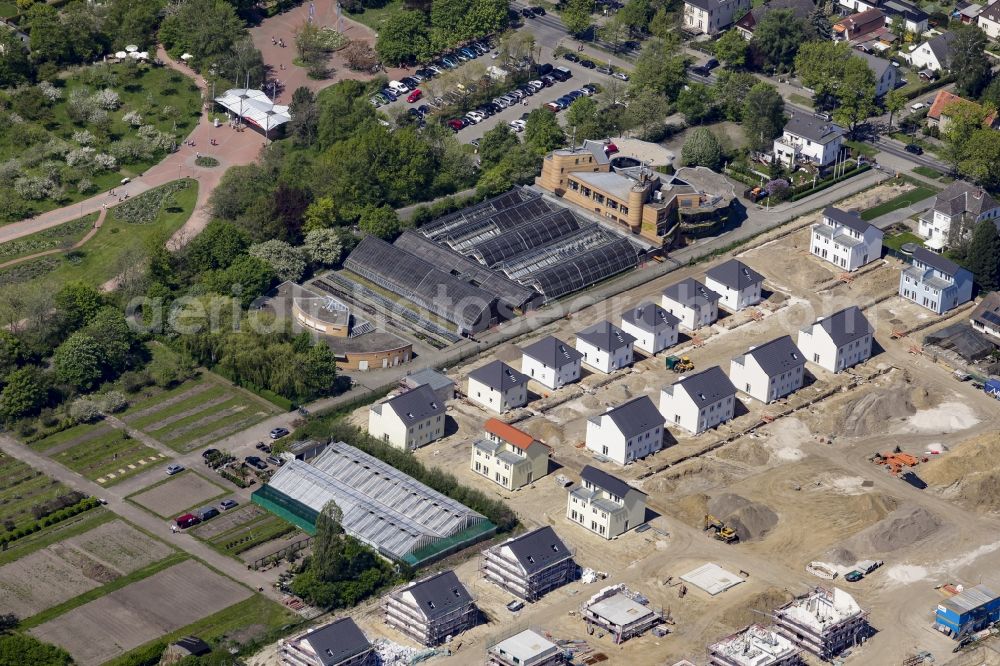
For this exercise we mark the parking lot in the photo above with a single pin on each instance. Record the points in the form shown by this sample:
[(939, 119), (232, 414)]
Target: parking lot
[(581, 76)]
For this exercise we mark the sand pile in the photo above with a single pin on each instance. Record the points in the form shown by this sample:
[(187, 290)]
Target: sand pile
[(590, 402), (748, 451), (961, 475), (543, 430), (841, 556), (873, 411), (692, 509), (903, 527), (751, 520), (749, 612)]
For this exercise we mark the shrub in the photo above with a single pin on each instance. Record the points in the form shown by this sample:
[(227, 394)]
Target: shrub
[(113, 402), (84, 410)]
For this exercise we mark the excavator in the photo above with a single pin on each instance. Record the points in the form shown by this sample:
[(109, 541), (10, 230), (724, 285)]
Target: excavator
[(722, 531), (679, 364)]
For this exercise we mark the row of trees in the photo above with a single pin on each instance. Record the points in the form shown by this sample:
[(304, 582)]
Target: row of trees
[(417, 35)]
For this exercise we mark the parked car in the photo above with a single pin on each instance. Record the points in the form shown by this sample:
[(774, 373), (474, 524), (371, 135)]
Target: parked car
[(700, 70), (399, 87), (610, 148), (278, 433), (206, 513), (853, 576), (590, 89), (548, 80), (572, 57), (535, 85), (414, 96), (539, 11), (589, 64), (187, 520), (255, 461), (561, 74), (275, 460), (517, 125), (228, 504), (621, 76), (174, 469), (423, 109), (575, 94), (515, 605), (263, 446), (605, 70), (543, 68), (455, 124), (209, 453), (410, 81), (376, 102), (914, 149), (554, 107), (711, 64), (527, 13), (388, 94)]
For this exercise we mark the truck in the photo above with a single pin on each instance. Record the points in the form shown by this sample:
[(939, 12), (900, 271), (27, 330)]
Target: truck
[(992, 387)]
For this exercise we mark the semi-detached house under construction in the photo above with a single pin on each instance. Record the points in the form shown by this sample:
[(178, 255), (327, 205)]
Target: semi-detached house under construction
[(824, 622)]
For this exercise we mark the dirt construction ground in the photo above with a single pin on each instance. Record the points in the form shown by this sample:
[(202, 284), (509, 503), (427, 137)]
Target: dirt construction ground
[(793, 477), (125, 619)]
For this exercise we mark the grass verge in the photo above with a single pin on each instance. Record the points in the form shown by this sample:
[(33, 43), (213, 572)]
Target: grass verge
[(902, 201)]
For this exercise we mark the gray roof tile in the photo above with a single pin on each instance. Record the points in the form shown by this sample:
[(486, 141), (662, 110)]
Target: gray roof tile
[(498, 376), (708, 386), (936, 261), (539, 549), (552, 351), (605, 481), (649, 317), (605, 336), (846, 325), (636, 416), (847, 219), (335, 642), (440, 594), (777, 356), (734, 274), (416, 404), (690, 293), (812, 128)]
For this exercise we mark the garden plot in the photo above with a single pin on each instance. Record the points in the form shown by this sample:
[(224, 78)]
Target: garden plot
[(41, 580), (172, 497), (197, 413), (101, 453), (241, 529), (125, 619), (21, 488), (120, 546)]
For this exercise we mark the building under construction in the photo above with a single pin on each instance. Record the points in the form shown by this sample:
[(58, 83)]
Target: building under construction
[(754, 646), (824, 622), (531, 565), (431, 610), (621, 612)]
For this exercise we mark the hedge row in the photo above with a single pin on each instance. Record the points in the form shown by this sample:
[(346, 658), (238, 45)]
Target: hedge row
[(929, 86), (830, 183), (47, 521)]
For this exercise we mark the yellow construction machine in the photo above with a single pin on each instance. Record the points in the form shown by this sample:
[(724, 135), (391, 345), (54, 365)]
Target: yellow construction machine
[(722, 531)]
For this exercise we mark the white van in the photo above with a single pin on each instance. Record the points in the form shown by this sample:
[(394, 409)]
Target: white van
[(398, 87), (917, 106)]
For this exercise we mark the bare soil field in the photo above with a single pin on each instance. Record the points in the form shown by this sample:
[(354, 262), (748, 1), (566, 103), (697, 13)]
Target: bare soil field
[(41, 580), (124, 619), (120, 546), (185, 491)]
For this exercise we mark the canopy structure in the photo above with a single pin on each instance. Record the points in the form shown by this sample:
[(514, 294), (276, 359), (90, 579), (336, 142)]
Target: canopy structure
[(255, 107)]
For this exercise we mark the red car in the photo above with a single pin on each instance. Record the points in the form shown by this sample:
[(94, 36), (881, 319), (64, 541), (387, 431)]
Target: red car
[(187, 520), (456, 124), (610, 148), (414, 96)]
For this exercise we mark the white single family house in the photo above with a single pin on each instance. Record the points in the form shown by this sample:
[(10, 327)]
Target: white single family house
[(770, 371), (509, 457), (934, 54), (710, 17), (935, 282), (605, 504), (498, 387), (653, 328), (845, 240), (605, 347), (808, 138), (409, 420), (628, 432), (551, 362), (960, 206), (692, 302), (838, 341), (989, 20), (885, 74), (737, 285), (700, 401)]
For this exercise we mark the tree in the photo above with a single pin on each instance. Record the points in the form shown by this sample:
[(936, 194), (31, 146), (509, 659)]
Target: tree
[(320, 214), (77, 362), (216, 247), (25, 392), (17, 649), (695, 102), (542, 132), (635, 15), (964, 120), (12, 353), (969, 62), (304, 126), (116, 341), (990, 96), (819, 22), (287, 262), (983, 256), (496, 143), (731, 49), (701, 148), (343, 109), (133, 22), (77, 303), (731, 90), (379, 221), (48, 40), (856, 94), (981, 157), (647, 110), (247, 278), (323, 247), (15, 67), (820, 66), (312, 50), (360, 57), (614, 32), (576, 15), (778, 36), (581, 119), (519, 166), (319, 369), (404, 38), (659, 68), (207, 29), (894, 102), (763, 116)]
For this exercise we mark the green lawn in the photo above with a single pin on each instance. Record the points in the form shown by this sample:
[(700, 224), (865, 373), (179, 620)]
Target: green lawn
[(859, 148), (801, 100), (898, 240), (164, 98), (7, 8), (373, 17), (928, 172), (63, 237), (902, 201), (249, 624), (22, 487), (116, 246)]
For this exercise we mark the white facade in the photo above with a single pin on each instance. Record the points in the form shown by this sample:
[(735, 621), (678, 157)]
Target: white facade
[(818, 345), (606, 435), (935, 282), (924, 57), (693, 314), (989, 20), (682, 406), (653, 328), (844, 245), (498, 400), (604, 360), (551, 362), (607, 512), (752, 374), (737, 285), (790, 147), (395, 429), (951, 206), (711, 17)]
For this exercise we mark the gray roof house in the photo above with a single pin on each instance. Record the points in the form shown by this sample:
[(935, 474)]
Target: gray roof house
[(734, 274), (649, 317), (415, 405), (885, 74), (777, 356), (806, 137), (635, 417), (440, 383), (692, 302), (604, 504), (552, 351), (606, 337), (339, 643), (708, 386), (769, 371), (530, 565), (846, 325), (431, 609), (611, 484), (690, 292), (499, 376), (626, 433), (846, 218)]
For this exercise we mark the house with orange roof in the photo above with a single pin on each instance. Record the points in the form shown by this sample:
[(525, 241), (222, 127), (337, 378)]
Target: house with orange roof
[(945, 101), (857, 26), (509, 457)]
